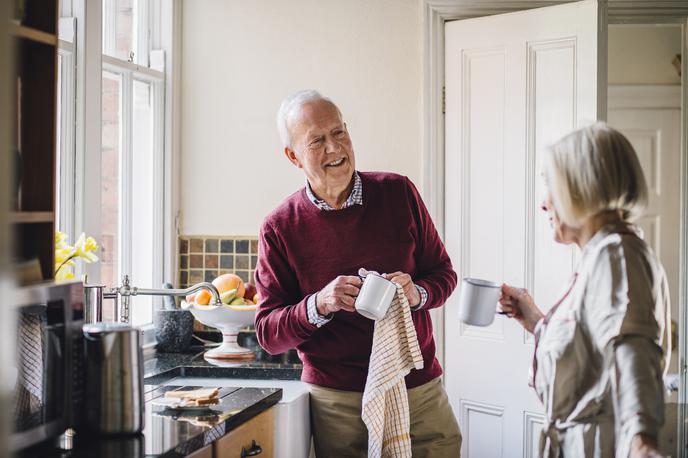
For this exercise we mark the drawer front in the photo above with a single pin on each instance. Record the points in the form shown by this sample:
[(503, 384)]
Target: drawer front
[(259, 429), (205, 452)]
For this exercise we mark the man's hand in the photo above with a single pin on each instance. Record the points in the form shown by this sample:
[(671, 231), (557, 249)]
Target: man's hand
[(406, 282), (339, 294)]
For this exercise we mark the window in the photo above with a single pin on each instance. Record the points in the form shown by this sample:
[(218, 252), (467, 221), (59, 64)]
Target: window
[(131, 156), (65, 128), (126, 30), (126, 182)]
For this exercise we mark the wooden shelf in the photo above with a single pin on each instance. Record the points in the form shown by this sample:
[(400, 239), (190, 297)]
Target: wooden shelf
[(33, 127), (32, 34), (32, 217)]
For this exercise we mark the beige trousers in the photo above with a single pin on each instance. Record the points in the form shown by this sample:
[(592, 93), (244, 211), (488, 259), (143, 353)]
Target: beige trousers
[(338, 430)]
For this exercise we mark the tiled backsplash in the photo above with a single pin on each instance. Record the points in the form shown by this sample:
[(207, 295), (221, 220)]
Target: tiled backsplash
[(202, 258)]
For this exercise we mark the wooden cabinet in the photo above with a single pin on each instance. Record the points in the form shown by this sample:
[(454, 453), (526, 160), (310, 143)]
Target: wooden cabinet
[(205, 452), (33, 132), (254, 435)]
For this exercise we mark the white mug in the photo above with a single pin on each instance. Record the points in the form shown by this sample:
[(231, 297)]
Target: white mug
[(375, 296), (478, 301)]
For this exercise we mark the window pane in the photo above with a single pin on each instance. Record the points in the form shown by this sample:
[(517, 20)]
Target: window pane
[(58, 149), (64, 144), (110, 177), (119, 28), (143, 202)]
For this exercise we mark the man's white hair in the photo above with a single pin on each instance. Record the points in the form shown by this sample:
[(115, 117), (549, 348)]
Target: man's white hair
[(291, 106)]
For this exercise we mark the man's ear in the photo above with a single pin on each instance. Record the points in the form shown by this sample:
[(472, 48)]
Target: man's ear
[(291, 155)]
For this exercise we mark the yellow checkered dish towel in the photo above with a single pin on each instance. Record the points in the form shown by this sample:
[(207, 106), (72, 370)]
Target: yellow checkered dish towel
[(385, 409)]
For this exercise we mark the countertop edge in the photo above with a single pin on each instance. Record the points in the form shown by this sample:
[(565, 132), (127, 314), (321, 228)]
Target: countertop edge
[(232, 423)]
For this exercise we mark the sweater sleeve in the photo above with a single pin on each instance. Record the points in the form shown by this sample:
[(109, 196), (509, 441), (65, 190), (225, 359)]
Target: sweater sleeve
[(434, 270), (282, 314)]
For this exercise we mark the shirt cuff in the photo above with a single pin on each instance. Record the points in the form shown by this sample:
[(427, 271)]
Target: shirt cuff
[(423, 298), (314, 317)]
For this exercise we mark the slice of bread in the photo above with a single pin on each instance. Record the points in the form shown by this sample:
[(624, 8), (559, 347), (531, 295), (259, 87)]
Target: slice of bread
[(199, 394)]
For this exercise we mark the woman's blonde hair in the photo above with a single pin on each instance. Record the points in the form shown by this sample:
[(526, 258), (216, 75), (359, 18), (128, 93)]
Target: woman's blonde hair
[(592, 170)]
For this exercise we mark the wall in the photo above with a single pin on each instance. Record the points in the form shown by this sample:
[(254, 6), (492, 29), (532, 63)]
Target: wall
[(242, 57), (643, 54)]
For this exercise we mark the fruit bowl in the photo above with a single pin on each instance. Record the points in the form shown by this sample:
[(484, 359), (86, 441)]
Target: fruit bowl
[(229, 319)]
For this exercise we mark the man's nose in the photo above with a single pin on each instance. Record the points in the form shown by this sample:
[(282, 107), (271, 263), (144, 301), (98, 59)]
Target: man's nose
[(331, 145)]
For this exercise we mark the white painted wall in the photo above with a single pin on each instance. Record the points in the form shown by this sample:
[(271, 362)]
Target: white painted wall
[(643, 54), (240, 58)]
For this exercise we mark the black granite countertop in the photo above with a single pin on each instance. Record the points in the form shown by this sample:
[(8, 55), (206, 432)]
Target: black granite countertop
[(164, 366), (174, 433), (171, 432)]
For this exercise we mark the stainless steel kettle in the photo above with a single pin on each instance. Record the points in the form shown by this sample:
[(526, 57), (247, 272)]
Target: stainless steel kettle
[(114, 378)]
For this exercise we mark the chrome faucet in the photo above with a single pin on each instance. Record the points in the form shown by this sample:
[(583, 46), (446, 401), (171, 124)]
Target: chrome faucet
[(94, 297)]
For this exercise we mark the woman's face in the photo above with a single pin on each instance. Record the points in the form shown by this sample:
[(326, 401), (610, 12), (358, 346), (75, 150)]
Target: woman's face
[(562, 233)]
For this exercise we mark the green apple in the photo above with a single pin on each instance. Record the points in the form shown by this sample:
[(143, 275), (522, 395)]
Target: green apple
[(237, 301), (228, 296)]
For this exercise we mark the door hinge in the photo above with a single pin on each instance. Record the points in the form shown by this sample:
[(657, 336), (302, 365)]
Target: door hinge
[(444, 99)]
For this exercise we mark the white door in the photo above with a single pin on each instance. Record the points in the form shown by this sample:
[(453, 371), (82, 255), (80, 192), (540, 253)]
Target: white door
[(514, 83), (650, 116)]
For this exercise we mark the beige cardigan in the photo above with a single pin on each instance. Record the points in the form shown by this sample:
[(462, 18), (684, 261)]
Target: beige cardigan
[(601, 351)]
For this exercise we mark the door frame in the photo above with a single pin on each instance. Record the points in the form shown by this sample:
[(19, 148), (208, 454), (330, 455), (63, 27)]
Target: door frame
[(435, 13)]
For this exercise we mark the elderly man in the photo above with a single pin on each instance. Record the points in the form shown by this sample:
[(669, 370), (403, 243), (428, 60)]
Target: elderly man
[(311, 247)]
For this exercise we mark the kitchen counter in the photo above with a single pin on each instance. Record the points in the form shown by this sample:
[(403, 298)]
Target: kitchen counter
[(170, 433), (163, 366)]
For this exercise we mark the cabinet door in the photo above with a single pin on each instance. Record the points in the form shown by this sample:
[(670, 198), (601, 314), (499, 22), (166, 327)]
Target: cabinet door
[(205, 452), (259, 429)]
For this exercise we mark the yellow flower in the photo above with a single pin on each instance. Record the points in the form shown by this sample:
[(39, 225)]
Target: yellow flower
[(64, 274), (85, 247), (60, 239), (91, 244), (64, 254)]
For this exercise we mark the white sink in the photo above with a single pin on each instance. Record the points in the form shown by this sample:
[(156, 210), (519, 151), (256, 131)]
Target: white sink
[(292, 413)]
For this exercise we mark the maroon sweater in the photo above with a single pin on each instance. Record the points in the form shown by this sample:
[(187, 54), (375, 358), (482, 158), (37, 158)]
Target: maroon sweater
[(303, 248)]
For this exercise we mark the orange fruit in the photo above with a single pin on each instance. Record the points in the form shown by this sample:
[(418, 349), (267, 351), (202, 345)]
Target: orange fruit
[(255, 298), (203, 297), (228, 282)]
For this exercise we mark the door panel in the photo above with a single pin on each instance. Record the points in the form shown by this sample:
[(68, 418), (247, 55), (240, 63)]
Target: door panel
[(481, 424), (655, 135), (514, 83), (484, 79)]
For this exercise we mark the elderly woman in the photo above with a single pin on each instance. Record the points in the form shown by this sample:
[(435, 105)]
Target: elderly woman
[(601, 349)]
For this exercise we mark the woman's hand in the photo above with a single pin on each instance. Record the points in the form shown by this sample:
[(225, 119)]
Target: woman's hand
[(644, 446), (517, 303)]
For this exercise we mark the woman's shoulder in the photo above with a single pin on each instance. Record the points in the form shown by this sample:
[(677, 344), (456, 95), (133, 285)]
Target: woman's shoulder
[(624, 290), (619, 251)]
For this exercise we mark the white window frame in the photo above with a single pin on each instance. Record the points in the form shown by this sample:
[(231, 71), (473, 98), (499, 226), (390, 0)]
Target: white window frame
[(141, 21), (129, 72), (67, 52), (90, 64)]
